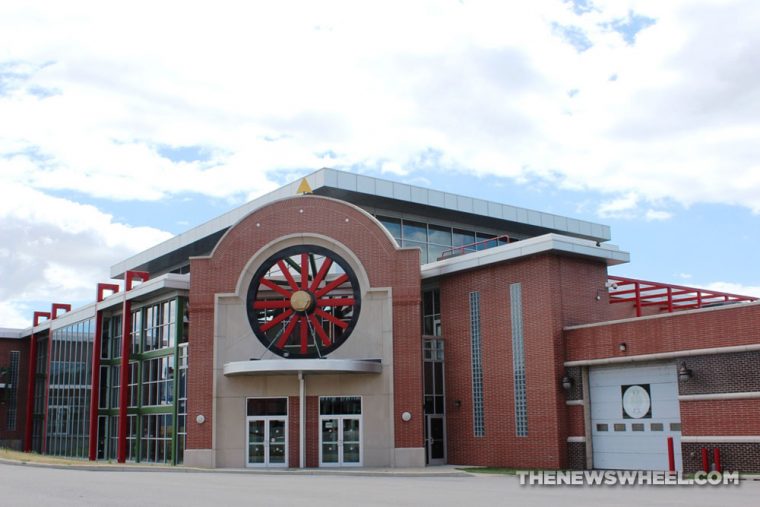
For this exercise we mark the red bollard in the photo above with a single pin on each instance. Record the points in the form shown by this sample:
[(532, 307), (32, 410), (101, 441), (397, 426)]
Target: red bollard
[(671, 456), (716, 460), (705, 460)]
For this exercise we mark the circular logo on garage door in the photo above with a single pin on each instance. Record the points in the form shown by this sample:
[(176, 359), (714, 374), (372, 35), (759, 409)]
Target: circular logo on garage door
[(636, 402)]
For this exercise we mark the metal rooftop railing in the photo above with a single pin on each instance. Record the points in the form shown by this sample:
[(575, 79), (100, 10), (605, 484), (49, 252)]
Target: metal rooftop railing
[(667, 297), (475, 247)]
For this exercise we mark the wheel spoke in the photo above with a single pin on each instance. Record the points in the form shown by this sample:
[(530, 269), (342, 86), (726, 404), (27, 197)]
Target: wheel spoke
[(286, 271), (322, 272), (332, 285), (269, 325), (288, 331), (271, 304), (336, 302), (275, 287), (320, 330), (331, 318)]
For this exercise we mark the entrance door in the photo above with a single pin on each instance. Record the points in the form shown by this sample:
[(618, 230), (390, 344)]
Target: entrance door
[(340, 441), (268, 441), (435, 441)]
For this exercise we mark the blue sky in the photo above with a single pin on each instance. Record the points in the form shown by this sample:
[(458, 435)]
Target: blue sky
[(630, 113)]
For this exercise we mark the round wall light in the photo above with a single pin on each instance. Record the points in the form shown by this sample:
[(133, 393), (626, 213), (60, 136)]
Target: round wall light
[(406, 416), (200, 418)]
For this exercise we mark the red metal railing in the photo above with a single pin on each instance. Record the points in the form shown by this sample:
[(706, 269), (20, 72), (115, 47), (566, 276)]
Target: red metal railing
[(667, 297), (472, 247)]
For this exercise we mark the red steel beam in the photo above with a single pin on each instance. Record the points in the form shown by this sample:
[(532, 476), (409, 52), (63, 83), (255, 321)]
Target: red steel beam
[(32, 374)]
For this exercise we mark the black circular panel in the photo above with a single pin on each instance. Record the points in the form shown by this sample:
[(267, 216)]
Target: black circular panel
[(303, 302)]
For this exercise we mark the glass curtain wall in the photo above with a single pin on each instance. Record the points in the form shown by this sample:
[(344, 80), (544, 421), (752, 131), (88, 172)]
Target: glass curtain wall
[(433, 240), (68, 413), (157, 407)]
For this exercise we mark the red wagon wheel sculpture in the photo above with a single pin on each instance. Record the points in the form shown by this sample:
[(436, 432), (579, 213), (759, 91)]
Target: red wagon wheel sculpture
[(303, 302)]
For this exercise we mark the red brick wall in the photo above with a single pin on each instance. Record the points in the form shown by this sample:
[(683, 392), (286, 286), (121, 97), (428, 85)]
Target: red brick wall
[(312, 431), (556, 291), (385, 265), (720, 327), (6, 346), (720, 417), (575, 427), (293, 425)]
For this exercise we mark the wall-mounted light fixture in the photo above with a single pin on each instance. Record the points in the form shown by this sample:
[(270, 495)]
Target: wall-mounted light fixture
[(684, 373), (567, 382), (623, 346), (457, 403)]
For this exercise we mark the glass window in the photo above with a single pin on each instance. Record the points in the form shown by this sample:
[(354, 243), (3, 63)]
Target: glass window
[(431, 312), (160, 325), (68, 393), (158, 381), (462, 237), (436, 251), (439, 235), (340, 405), (157, 438), (393, 225), (414, 231), (267, 406)]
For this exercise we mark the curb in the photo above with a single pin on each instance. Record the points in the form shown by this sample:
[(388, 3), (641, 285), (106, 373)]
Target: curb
[(182, 469)]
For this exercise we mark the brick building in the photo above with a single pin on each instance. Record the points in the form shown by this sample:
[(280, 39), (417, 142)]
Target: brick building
[(350, 321)]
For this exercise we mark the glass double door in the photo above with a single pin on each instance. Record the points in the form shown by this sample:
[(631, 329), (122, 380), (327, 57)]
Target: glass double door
[(340, 441), (268, 441)]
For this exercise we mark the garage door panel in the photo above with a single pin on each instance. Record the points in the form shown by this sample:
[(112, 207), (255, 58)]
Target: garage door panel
[(610, 376), (631, 444), (646, 448)]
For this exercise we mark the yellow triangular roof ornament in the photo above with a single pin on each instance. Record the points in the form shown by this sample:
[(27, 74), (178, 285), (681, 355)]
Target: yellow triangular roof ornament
[(303, 187)]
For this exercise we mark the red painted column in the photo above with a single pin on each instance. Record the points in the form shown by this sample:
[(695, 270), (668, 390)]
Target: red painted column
[(671, 456), (126, 346), (30, 394), (32, 377), (95, 383), (705, 461)]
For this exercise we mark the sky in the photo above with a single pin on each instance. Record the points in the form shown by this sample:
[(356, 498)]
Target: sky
[(122, 124)]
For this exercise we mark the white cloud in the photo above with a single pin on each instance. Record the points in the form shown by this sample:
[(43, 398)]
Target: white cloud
[(621, 207), (734, 288), (56, 250), (652, 215), (89, 95), (273, 86)]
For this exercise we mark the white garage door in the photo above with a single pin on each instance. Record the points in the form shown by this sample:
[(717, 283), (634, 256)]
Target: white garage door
[(634, 409)]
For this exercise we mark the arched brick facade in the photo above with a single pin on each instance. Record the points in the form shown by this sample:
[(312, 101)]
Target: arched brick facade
[(385, 264)]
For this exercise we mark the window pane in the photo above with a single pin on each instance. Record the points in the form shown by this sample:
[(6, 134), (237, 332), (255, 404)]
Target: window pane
[(462, 237), (393, 225), (268, 406), (439, 235), (415, 231)]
